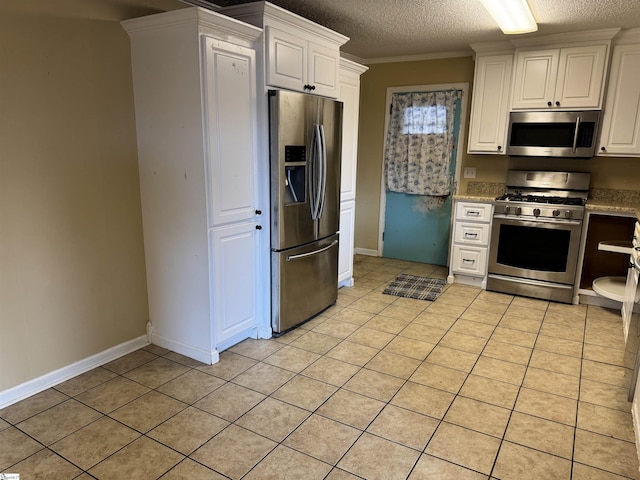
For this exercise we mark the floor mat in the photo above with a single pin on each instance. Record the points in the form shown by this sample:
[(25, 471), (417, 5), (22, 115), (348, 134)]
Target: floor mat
[(412, 286)]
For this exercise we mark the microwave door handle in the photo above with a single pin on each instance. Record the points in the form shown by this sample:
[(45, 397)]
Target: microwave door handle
[(575, 135)]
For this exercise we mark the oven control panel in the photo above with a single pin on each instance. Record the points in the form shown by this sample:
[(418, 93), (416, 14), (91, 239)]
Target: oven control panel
[(569, 212)]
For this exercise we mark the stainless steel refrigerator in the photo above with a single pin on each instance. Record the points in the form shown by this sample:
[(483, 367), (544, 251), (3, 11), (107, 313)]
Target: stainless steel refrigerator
[(305, 149)]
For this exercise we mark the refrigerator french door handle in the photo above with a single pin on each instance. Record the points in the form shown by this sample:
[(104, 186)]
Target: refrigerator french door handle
[(312, 174), (310, 254), (323, 163), (316, 169)]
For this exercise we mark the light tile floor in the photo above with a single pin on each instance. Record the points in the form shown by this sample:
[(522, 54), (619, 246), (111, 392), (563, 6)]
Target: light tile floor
[(475, 385)]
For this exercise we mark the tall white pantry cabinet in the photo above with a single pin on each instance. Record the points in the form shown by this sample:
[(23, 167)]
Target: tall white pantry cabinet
[(349, 95), (194, 77)]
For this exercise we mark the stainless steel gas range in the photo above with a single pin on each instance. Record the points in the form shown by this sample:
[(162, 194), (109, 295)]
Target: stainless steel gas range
[(535, 234)]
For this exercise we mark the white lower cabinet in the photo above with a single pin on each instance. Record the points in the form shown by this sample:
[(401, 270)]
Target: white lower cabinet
[(472, 233), (469, 260), (234, 271), (345, 250), (470, 248)]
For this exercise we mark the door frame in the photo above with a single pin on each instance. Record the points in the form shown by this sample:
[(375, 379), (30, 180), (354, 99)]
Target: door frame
[(464, 87)]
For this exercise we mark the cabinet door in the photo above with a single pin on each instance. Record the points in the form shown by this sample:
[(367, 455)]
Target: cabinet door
[(235, 272), (230, 103), (323, 70), (621, 123), (469, 260), (629, 299), (287, 59), (471, 233), (478, 212), (580, 77), (631, 286), (350, 97), (345, 249), (535, 78), (489, 112)]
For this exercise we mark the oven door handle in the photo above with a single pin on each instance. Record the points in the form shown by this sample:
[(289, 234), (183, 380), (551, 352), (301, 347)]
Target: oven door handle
[(538, 220)]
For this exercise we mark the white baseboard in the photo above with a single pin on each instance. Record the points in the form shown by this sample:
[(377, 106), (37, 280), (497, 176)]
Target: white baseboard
[(48, 380), (205, 356), (366, 251), (265, 332), (346, 282)]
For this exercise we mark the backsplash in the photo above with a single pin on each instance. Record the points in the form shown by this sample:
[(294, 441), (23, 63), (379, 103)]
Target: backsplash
[(485, 189)]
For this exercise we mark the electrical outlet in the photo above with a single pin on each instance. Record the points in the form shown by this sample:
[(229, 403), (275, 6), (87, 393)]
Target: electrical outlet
[(469, 172)]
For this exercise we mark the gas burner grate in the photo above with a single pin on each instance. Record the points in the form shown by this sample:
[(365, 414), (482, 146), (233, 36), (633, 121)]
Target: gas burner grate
[(514, 197)]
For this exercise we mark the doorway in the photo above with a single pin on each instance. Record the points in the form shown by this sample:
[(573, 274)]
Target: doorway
[(417, 227)]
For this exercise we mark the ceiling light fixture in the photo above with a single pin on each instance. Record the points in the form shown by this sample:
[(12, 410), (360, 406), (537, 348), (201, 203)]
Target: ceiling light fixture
[(512, 16)]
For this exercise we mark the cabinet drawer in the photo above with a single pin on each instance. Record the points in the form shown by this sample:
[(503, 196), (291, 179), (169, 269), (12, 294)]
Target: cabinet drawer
[(469, 260), (472, 233), (480, 212)]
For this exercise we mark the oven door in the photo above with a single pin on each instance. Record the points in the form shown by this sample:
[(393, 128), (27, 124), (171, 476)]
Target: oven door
[(537, 249)]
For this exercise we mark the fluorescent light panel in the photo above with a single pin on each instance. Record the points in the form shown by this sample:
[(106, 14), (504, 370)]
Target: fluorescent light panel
[(512, 16)]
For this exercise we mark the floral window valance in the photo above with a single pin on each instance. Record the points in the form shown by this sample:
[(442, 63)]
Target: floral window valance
[(420, 142)]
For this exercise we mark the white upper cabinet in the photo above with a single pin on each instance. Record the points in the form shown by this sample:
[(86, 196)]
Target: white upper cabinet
[(535, 80), (300, 55), (620, 134), (323, 65), (563, 78), (287, 59), (490, 104), (298, 64)]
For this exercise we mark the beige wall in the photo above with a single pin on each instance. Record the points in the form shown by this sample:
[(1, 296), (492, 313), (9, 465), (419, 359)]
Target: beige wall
[(606, 173), (72, 278)]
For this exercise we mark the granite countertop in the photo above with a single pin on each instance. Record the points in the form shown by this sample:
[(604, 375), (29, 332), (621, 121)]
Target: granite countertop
[(614, 201), (599, 200), (481, 192)]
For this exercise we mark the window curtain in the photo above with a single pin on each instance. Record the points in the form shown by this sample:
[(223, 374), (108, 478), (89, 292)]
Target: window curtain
[(420, 142)]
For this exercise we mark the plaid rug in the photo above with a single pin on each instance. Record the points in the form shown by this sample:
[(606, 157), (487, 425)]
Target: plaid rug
[(412, 286)]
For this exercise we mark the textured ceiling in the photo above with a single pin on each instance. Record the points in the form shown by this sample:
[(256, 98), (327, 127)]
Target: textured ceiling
[(390, 28)]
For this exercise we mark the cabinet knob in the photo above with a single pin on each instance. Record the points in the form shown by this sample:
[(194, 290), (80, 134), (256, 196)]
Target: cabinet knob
[(603, 149), (557, 104), (312, 87), (258, 227), (549, 104), (258, 212), (499, 147)]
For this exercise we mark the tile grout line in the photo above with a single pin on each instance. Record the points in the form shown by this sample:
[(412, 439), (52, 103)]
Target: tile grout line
[(513, 409), (575, 428)]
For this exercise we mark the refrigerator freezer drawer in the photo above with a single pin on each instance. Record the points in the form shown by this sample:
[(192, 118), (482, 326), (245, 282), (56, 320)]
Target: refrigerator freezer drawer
[(305, 282)]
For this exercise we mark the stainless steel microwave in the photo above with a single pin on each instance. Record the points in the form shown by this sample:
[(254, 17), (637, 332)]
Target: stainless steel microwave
[(553, 133)]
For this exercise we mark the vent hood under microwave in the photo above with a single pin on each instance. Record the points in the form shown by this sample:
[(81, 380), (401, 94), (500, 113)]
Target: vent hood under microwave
[(553, 133)]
